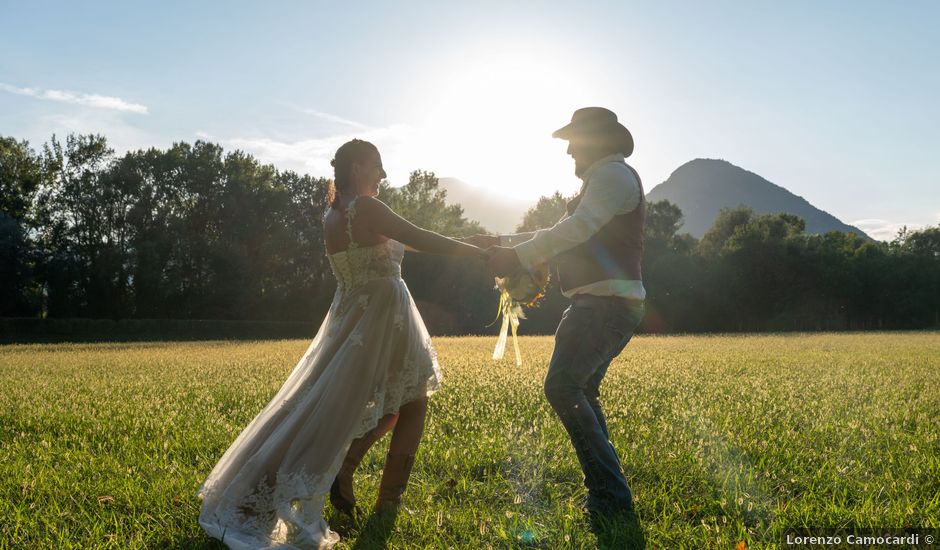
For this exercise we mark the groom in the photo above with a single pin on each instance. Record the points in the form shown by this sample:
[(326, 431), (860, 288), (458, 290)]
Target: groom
[(597, 247)]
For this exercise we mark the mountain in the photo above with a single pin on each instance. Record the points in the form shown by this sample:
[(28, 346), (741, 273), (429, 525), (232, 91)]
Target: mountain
[(496, 213), (702, 187)]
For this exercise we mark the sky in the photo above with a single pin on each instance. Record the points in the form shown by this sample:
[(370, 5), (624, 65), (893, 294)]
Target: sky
[(836, 100)]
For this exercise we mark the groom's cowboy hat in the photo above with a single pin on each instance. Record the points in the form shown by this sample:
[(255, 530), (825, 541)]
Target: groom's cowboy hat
[(598, 123)]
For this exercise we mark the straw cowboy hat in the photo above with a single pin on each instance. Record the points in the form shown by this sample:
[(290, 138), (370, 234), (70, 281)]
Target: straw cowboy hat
[(598, 123)]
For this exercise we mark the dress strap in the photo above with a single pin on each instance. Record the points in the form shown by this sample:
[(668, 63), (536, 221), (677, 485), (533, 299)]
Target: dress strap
[(350, 214)]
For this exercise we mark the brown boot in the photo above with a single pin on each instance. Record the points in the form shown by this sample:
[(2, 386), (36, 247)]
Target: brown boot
[(342, 496), (394, 480)]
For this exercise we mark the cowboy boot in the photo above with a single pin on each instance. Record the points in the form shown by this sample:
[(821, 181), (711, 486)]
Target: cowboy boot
[(394, 480), (342, 496)]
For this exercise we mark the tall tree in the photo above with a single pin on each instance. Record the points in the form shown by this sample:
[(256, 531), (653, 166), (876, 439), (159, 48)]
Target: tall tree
[(20, 175), (424, 203), (724, 226), (546, 213), (671, 277), (81, 213), (298, 281)]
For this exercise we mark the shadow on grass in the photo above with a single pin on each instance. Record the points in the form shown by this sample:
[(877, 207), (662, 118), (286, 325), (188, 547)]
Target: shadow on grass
[(195, 543), (372, 535), (376, 531), (620, 531)]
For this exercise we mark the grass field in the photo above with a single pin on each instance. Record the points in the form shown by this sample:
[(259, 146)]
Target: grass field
[(723, 439)]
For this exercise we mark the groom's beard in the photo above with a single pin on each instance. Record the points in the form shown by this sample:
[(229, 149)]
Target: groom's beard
[(586, 159), (582, 163), (579, 169)]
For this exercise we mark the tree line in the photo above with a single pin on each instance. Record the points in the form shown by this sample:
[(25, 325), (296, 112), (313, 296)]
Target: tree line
[(194, 232)]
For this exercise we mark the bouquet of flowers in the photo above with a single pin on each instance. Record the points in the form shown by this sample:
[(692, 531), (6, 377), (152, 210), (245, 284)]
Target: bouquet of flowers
[(522, 289)]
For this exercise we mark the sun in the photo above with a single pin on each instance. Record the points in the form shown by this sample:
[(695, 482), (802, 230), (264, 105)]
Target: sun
[(490, 121)]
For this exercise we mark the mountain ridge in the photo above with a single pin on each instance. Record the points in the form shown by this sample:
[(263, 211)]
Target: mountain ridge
[(495, 213), (702, 187)]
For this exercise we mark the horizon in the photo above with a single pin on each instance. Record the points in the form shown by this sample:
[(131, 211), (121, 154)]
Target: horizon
[(833, 103)]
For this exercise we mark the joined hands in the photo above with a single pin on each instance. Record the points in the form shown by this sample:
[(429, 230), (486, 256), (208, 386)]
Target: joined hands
[(501, 260)]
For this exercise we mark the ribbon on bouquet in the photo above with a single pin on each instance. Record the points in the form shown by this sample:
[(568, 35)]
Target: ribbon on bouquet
[(511, 313)]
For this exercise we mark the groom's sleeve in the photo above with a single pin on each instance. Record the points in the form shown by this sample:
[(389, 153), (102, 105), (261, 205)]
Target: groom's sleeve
[(513, 240), (609, 189), (518, 238)]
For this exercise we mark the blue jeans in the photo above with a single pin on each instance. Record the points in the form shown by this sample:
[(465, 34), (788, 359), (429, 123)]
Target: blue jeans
[(592, 332)]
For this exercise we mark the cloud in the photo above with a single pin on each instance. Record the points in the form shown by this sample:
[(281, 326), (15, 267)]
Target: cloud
[(90, 100), (883, 230), (313, 155), (334, 118), (122, 136)]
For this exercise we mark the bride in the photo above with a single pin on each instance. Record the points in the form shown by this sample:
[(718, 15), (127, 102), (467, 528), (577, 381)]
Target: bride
[(369, 370)]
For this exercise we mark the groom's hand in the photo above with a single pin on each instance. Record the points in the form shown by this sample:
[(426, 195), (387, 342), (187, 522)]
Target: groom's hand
[(503, 261)]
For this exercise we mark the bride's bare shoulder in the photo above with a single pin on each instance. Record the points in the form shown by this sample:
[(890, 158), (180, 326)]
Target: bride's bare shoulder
[(370, 204), (376, 213)]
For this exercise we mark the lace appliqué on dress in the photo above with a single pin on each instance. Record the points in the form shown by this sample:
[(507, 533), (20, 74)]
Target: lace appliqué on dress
[(288, 511)]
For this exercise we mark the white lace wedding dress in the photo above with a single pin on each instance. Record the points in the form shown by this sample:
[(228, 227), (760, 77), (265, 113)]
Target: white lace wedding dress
[(371, 355)]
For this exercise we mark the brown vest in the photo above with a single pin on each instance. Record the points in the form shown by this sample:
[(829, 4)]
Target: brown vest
[(614, 252)]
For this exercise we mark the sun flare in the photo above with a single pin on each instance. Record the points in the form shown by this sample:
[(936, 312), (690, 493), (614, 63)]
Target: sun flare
[(490, 123)]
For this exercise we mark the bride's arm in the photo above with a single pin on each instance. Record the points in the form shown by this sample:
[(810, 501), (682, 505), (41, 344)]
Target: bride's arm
[(380, 219)]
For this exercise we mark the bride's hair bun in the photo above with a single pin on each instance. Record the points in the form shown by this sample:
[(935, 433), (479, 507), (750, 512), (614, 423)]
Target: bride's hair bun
[(350, 152)]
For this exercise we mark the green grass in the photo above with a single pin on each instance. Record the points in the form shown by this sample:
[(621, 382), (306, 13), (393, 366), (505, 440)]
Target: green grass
[(723, 439)]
